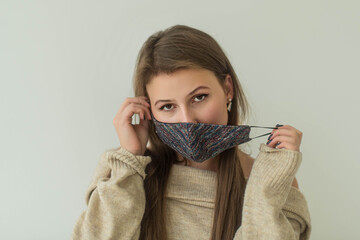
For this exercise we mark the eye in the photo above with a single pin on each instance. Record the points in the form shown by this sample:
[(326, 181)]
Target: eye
[(201, 97), (167, 105)]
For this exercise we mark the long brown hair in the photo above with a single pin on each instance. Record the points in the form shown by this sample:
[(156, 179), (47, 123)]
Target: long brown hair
[(183, 47)]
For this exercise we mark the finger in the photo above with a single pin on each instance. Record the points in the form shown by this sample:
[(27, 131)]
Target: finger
[(273, 131), (288, 146), (288, 127), (285, 126), (143, 99), (283, 131), (147, 111), (280, 145), (137, 108), (137, 100), (143, 123), (128, 112), (275, 140)]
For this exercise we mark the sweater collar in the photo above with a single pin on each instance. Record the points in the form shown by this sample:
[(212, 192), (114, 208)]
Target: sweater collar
[(192, 185)]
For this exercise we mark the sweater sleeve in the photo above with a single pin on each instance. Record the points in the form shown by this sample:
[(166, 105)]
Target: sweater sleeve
[(273, 209), (115, 198)]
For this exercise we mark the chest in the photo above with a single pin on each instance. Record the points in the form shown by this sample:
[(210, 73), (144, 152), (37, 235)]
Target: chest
[(188, 219)]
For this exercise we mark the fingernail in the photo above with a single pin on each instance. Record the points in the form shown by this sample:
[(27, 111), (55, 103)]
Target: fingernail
[(269, 136)]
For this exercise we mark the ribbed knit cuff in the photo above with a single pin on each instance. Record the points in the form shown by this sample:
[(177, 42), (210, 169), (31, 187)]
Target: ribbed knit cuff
[(276, 168), (123, 158)]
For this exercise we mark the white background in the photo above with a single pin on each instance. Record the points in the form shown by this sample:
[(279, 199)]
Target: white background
[(67, 66)]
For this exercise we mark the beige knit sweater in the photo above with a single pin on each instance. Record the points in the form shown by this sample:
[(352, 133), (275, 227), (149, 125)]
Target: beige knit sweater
[(273, 208)]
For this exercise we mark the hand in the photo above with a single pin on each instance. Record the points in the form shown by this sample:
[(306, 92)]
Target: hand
[(286, 137), (133, 137)]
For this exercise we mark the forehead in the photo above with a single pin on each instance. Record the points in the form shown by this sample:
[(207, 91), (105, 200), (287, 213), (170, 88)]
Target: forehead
[(167, 86)]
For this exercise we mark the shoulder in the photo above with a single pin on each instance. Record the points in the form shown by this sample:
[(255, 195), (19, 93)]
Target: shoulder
[(246, 162)]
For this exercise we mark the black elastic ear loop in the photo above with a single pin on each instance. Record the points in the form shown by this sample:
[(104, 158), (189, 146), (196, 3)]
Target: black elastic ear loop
[(263, 134)]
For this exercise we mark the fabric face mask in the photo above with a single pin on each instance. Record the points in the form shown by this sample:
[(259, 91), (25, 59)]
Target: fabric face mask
[(202, 141)]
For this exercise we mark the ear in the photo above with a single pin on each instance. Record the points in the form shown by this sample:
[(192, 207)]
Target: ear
[(229, 89)]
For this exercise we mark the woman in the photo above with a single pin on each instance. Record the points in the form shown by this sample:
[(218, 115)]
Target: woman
[(147, 190)]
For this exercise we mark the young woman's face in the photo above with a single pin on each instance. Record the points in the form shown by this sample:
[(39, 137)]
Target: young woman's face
[(190, 95)]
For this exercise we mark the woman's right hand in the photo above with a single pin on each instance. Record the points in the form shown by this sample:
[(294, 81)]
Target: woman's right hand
[(133, 137)]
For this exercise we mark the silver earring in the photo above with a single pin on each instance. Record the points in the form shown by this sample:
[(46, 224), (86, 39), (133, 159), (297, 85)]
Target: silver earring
[(229, 106)]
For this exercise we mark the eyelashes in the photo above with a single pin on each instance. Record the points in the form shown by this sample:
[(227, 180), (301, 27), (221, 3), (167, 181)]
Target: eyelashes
[(197, 96), (202, 95)]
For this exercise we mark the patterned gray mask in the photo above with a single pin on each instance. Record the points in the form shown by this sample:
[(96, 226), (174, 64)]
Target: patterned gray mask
[(202, 141)]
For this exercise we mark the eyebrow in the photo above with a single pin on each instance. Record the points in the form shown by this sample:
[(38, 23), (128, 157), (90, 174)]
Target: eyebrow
[(190, 93)]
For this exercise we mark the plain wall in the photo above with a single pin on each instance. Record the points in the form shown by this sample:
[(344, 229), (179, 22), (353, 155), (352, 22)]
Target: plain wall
[(67, 66)]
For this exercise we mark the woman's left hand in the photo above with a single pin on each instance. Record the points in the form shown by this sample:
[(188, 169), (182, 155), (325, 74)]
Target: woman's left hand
[(286, 137)]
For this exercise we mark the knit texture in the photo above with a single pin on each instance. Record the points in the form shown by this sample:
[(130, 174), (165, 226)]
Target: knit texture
[(201, 141), (273, 209)]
